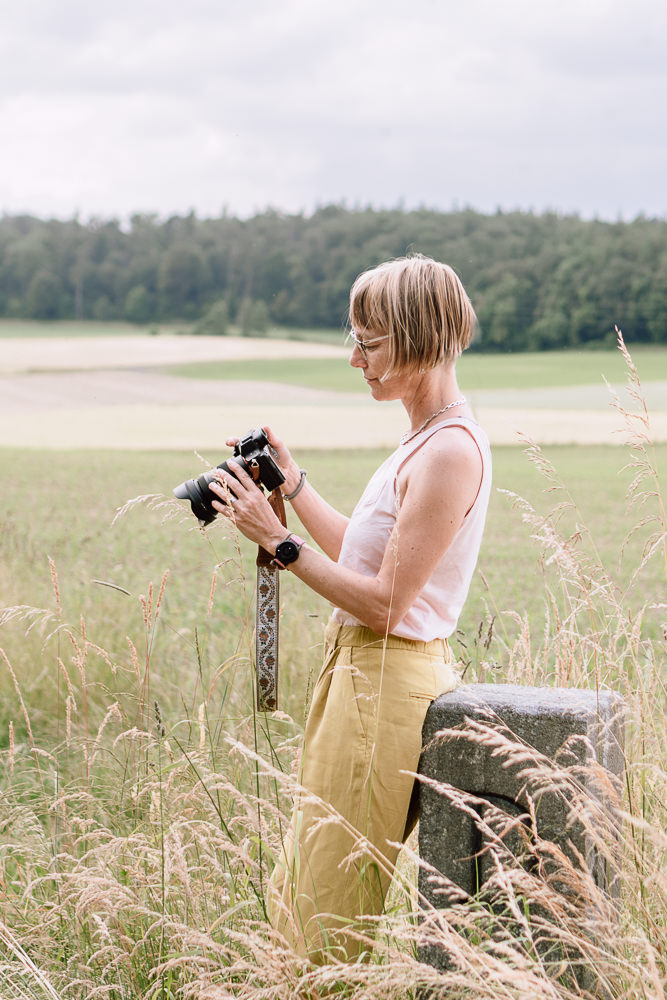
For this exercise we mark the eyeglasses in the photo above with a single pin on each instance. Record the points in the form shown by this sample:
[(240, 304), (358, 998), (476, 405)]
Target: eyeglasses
[(364, 345)]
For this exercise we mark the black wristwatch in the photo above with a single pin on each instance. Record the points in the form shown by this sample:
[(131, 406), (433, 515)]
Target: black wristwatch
[(288, 551)]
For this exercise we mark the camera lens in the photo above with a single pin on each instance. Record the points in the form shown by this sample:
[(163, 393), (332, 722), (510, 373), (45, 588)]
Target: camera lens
[(200, 497)]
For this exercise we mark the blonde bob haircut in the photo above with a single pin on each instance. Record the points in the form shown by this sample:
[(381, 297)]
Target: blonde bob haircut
[(420, 305)]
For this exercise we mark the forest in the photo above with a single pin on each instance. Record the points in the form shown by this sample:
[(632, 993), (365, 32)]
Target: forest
[(537, 281)]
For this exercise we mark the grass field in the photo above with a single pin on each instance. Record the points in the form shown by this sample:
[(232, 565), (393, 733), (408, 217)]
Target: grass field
[(141, 799), (475, 371), (71, 523)]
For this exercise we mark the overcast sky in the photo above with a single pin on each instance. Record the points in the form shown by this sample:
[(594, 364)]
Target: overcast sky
[(110, 107)]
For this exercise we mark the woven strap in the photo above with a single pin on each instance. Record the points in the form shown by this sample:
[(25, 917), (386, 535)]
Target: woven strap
[(268, 604), (275, 499)]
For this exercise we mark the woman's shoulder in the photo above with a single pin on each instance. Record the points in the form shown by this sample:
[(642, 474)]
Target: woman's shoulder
[(456, 448), (459, 435), (453, 444)]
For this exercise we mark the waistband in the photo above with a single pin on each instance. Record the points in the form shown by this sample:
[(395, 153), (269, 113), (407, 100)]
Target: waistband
[(359, 635)]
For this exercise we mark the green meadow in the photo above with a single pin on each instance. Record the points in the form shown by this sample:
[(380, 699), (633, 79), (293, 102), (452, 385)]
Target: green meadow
[(113, 328), (16, 328), (475, 371), (63, 506)]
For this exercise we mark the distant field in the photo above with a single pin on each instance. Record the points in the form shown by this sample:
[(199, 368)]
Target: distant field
[(558, 368), (90, 328), (475, 371), (328, 374), (119, 392), (85, 328)]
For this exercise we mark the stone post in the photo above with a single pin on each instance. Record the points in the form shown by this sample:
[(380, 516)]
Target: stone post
[(571, 727)]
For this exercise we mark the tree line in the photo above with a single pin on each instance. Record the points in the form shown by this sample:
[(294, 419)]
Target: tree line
[(537, 281)]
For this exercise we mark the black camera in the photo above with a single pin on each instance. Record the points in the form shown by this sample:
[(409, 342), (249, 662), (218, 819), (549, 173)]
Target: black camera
[(254, 454)]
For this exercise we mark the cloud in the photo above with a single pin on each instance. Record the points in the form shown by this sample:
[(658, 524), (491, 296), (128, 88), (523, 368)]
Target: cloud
[(119, 107)]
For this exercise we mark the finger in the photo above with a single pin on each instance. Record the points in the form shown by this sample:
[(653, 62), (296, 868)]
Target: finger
[(225, 507), (224, 488), (231, 442), (229, 504), (240, 473), (278, 446), (273, 439)]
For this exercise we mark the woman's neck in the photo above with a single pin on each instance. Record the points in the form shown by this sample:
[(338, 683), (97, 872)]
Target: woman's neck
[(429, 393)]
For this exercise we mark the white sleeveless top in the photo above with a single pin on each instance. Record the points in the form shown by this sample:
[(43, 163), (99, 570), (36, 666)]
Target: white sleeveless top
[(436, 611)]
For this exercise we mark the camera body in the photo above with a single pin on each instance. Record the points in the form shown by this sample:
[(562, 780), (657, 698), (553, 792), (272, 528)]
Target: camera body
[(254, 454)]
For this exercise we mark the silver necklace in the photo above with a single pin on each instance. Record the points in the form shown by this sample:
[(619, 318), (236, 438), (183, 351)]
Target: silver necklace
[(409, 436)]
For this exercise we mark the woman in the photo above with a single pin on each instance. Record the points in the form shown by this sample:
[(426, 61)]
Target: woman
[(397, 573)]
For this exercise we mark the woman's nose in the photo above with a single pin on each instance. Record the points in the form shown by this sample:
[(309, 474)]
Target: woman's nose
[(357, 360)]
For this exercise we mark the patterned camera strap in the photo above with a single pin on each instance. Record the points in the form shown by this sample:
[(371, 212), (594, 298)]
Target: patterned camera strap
[(266, 634)]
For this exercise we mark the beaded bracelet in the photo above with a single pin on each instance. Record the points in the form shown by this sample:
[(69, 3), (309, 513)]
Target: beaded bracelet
[(290, 496)]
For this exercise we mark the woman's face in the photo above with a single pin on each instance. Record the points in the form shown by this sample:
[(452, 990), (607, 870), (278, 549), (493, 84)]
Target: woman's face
[(371, 355)]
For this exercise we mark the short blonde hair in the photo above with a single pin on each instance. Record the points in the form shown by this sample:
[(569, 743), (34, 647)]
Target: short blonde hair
[(421, 305)]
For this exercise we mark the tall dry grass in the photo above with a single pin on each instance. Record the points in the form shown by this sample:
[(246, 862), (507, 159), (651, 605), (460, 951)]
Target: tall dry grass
[(136, 844)]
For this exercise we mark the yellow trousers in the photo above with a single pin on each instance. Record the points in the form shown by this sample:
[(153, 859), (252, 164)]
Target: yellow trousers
[(356, 803)]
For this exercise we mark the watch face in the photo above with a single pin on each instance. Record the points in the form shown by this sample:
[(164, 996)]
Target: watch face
[(287, 551)]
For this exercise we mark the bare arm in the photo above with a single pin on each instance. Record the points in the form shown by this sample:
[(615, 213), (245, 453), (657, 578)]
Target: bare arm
[(325, 524), (437, 488)]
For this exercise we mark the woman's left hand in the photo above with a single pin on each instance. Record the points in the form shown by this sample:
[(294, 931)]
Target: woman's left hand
[(242, 502)]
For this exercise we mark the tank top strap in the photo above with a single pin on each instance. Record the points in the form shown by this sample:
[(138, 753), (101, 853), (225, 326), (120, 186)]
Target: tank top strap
[(404, 452)]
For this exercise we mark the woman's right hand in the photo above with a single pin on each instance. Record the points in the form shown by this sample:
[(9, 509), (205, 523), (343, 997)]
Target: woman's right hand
[(291, 470)]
